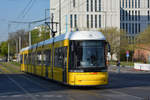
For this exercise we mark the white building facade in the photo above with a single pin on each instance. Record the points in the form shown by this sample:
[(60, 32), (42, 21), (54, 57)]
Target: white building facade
[(130, 15)]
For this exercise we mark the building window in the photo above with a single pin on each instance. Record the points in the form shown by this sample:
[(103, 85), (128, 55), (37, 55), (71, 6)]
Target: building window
[(99, 21), (129, 15), (129, 27), (95, 5), (71, 21), (87, 21), (132, 15), (99, 5), (129, 3), (123, 26), (126, 27), (122, 3), (139, 28), (120, 25), (126, 4), (95, 21), (135, 3), (136, 28), (87, 5), (147, 3), (139, 18), (135, 15), (74, 3), (75, 21), (91, 5), (148, 15), (122, 14), (126, 15), (132, 28), (138, 3), (132, 3), (91, 21)]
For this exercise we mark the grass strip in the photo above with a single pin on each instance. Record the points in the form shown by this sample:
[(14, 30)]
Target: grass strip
[(10, 68), (4, 70)]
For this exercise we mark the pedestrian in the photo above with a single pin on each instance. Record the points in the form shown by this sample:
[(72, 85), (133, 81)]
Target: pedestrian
[(118, 66)]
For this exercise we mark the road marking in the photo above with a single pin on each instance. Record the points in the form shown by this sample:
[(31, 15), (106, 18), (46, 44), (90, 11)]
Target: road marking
[(25, 91), (16, 96), (3, 96)]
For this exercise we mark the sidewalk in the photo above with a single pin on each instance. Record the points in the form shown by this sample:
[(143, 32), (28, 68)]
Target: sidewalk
[(125, 69)]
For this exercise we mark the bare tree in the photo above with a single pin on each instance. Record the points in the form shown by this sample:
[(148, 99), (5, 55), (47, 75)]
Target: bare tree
[(117, 40)]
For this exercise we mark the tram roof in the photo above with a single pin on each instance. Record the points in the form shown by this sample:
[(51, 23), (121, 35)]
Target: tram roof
[(78, 35), (81, 35)]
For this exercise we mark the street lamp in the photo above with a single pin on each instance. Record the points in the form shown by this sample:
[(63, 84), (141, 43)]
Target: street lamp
[(8, 44)]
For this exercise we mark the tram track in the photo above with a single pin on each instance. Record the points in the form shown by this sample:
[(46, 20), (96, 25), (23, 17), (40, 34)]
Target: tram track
[(16, 83)]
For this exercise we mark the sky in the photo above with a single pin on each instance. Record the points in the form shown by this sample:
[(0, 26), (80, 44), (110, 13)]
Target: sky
[(22, 11)]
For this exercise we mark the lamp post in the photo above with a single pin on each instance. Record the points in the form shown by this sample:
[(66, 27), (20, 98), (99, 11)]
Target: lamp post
[(8, 45)]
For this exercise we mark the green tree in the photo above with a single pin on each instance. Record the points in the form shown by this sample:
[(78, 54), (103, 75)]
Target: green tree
[(4, 48), (35, 34), (143, 38), (40, 34)]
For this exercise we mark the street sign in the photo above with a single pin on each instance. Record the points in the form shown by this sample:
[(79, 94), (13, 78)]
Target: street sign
[(127, 54)]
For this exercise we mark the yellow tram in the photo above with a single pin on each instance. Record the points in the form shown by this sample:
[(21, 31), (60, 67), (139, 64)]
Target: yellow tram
[(75, 58)]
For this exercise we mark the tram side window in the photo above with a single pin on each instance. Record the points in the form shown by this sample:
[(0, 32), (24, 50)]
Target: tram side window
[(33, 59), (39, 58), (25, 59), (56, 57), (21, 58), (65, 56), (61, 57), (47, 57), (29, 58)]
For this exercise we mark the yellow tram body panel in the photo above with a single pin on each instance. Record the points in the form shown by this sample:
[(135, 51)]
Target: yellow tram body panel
[(88, 78), (23, 66), (58, 74), (58, 71), (61, 43)]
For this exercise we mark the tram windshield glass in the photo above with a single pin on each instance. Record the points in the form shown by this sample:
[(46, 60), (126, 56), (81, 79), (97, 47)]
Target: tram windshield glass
[(86, 54)]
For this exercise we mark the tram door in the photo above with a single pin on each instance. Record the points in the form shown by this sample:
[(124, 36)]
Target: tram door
[(47, 60), (65, 65), (60, 64)]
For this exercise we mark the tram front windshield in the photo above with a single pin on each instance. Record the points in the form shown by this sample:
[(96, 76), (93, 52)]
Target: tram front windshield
[(87, 54)]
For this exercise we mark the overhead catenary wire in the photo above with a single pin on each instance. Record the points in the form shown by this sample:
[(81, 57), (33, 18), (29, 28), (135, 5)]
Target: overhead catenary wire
[(32, 3), (31, 22), (26, 10)]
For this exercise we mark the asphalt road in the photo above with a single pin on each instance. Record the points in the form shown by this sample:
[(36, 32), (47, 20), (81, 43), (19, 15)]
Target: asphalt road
[(127, 85)]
